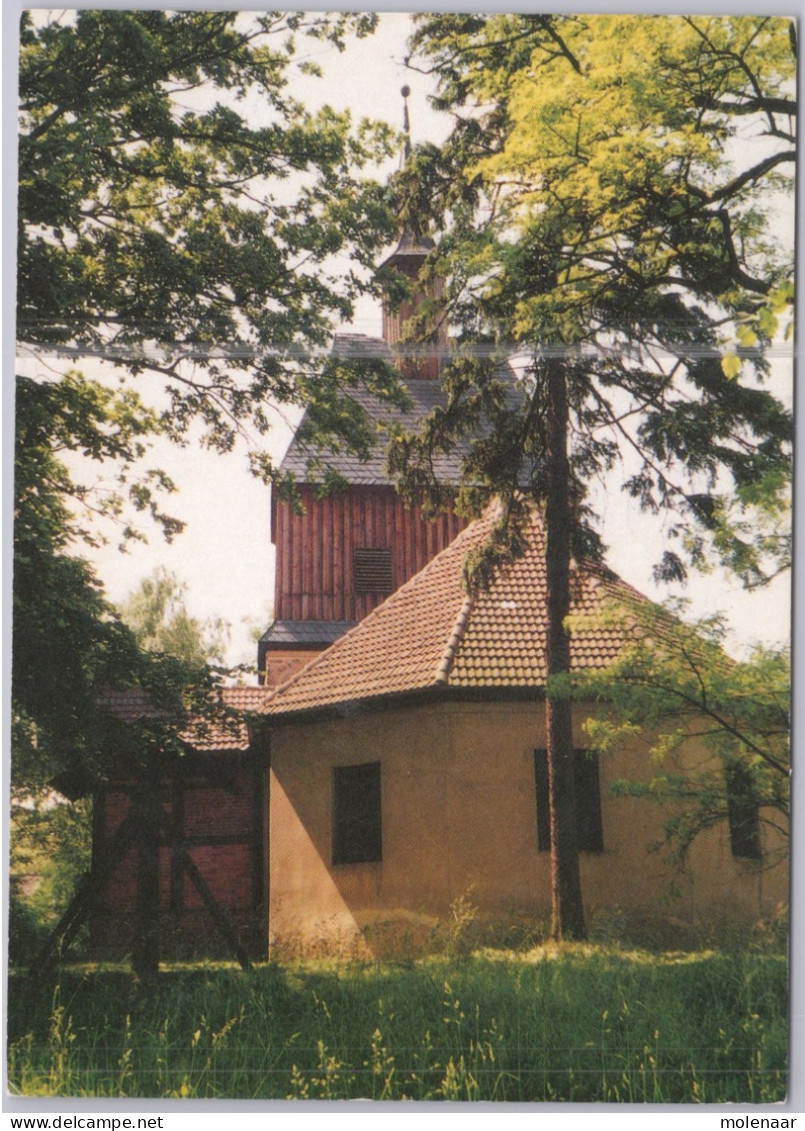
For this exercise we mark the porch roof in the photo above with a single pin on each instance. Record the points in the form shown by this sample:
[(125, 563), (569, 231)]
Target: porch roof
[(225, 729)]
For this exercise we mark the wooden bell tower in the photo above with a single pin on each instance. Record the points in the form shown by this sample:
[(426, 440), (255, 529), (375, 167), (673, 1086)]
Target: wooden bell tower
[(347, 552)]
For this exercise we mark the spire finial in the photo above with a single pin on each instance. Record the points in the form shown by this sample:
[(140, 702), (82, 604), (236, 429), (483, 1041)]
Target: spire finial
[(406, 90)]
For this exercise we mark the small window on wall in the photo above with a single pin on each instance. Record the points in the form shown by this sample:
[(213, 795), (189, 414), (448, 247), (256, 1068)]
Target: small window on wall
[(742, 813), (357, 830), (587, 786), (372, 570)]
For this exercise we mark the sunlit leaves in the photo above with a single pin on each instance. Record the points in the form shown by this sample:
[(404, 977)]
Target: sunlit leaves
[(180, 211), (628, 173), (156, 612), (157, 214), (707, 715)]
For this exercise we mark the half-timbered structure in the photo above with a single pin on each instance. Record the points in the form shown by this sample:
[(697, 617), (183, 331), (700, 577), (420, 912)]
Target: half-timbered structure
[(205, 842)]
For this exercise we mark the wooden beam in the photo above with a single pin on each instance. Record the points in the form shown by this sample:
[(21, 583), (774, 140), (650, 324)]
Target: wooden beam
[(218, 915), (261, 760), (148, 814), (103, 864), (177, 842)]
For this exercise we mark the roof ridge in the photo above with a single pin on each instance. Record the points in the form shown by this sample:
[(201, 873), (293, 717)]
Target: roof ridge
[(449, 654), (350, 335)]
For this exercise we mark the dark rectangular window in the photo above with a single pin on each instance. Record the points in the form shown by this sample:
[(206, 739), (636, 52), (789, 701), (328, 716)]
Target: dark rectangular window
[(742, 813), (372, 570), (587, 786), (357, 830)]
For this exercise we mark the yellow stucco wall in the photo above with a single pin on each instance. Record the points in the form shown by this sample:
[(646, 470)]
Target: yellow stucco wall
[(459, 818)]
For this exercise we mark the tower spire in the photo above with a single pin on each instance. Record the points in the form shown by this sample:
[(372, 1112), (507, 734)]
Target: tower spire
[(408, 258), (406, 90)]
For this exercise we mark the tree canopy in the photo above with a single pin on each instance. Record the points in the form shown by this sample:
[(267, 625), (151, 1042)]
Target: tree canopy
[(156, 612), (70, 644), (605, 206), (180, 212), (609, 196), (675, 682), (181, 216), (67, 641)]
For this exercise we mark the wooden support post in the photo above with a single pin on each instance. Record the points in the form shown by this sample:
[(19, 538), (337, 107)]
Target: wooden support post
[(177, 840), (260, 761), (146, 812), (217, 913)]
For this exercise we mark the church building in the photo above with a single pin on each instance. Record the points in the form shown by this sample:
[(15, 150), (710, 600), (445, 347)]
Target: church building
[(390, 765)]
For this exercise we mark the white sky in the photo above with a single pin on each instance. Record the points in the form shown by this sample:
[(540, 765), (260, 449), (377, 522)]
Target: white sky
[(225, 555)]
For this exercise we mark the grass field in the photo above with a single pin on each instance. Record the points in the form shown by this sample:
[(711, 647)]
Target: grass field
[(575, 1023)]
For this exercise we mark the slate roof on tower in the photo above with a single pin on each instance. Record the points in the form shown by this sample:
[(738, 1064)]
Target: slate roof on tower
[(411, 251), (425, 395), (430, 637), (305, 633)]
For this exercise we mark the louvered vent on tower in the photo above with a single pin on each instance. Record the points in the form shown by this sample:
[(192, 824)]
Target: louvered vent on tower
[(372, 570)]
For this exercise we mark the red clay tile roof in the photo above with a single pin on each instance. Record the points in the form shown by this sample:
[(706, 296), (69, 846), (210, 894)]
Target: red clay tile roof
[(430, 635), (218, 732), (250, 700), (131, 705)]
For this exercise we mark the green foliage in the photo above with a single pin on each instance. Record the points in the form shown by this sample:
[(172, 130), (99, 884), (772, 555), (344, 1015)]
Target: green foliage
[(181, 215), (604, 206), (576, 1024), (110, 430), (606, 203), (673, 681), (157, 615), (159, 225), (50, 851), (69, 643), (63, 628)]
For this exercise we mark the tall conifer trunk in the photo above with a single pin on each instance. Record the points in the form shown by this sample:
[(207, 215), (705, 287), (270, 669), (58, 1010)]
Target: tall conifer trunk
[(567, 912)]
